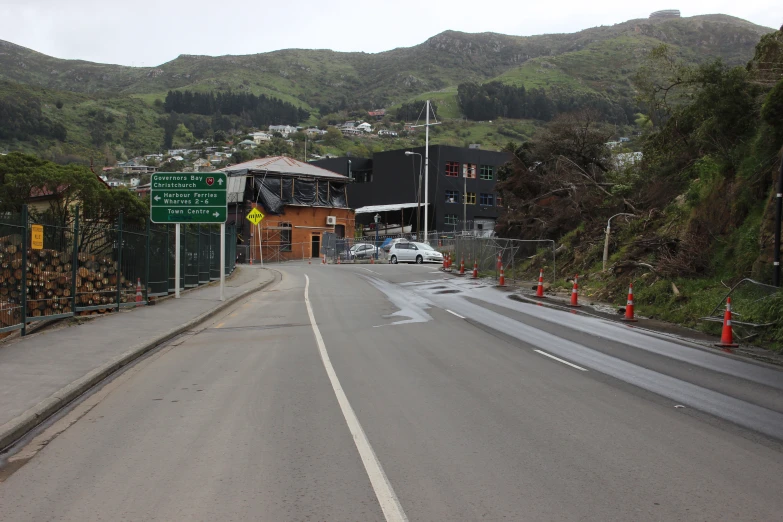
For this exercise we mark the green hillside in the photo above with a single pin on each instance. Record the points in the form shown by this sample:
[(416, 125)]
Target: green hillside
[(596, 62)]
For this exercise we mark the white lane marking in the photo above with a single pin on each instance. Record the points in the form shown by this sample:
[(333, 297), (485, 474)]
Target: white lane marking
[(454, 313), (373, 271), (561, 360), (390, 504)]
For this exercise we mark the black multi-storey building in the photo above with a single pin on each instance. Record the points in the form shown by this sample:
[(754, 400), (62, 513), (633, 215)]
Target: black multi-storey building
[(462, 193)]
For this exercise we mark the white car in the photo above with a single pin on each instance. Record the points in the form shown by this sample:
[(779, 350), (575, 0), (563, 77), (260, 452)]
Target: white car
[(412, 252)]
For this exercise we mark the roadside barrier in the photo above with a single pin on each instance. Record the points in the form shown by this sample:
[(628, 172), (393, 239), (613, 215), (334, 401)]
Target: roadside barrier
[(629, 311), (540, 288), (727, 335), (575, 292)]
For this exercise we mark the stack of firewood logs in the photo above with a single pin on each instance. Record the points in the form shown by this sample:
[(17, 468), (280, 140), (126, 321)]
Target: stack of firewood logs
[(50, 282)]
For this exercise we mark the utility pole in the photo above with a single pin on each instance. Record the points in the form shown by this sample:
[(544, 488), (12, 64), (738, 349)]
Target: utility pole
[(778, 217), (426, 169)]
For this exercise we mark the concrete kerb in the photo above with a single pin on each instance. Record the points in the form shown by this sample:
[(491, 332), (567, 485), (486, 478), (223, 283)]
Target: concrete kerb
[(16, 428)]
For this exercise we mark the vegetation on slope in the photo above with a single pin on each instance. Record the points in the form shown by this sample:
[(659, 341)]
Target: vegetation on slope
[(701, 199)]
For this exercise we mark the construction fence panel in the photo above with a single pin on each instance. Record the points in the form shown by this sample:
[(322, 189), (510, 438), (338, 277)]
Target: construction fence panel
[(133, 264), (204, 254), (190, 238), (97, 269), (50, 273), (214, 252), (160, 265), (521, 259), (12, 232)]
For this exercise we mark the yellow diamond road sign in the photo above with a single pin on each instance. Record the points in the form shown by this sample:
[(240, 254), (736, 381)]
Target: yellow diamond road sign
[(255, 216)]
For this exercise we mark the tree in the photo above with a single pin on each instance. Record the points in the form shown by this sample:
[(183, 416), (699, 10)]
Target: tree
[(558, 178), (22, 175), (333, 136)]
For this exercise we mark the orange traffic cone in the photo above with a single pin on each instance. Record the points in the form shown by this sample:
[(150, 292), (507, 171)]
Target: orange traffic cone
[(540, 288), (448, 261), (475, 269), (462, 267), (629, 306), (251, 260), (575, 292), (324, 260), (372, 259), (445, 259), (139, 297), (727, 336), (502, 280)]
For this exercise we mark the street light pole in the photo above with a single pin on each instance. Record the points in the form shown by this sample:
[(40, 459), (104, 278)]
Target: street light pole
[(778, 217), (377, 218), (418, 196), (606, 241), (426, 170)]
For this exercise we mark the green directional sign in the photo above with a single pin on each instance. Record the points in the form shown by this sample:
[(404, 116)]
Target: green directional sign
[(188, 197)]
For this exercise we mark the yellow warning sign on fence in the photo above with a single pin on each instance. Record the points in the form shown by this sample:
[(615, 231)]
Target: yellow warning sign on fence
[(255, 216), (37, 237)]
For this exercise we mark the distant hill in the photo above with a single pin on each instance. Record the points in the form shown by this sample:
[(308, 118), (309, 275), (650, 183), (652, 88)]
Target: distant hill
[(599, 60)]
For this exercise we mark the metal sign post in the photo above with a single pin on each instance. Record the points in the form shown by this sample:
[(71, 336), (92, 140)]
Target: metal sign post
[(176, 261), (222, 259), (255, 216), (190, 197)]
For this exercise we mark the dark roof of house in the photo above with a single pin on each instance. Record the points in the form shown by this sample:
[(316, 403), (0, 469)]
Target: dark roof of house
[(281, 165)]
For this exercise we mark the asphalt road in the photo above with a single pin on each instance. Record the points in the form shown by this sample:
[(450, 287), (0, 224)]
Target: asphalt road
[(396, 392)]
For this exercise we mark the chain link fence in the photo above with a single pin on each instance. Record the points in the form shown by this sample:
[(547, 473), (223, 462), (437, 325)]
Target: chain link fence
[(50, 270), (521, 259)]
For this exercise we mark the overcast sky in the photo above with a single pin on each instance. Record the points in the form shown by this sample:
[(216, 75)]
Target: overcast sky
[(148, 33)]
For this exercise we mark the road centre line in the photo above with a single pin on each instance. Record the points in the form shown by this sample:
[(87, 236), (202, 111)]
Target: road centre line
[(454, 313), (560, 360), (390, 504)]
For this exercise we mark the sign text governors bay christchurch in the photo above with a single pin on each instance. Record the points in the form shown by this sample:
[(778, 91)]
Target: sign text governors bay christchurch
[(188, 197)]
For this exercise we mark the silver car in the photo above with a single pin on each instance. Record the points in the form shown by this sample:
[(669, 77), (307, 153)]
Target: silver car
[(413, 252)]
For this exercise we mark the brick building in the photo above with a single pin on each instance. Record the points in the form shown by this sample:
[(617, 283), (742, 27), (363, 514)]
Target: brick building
[(302, 205)]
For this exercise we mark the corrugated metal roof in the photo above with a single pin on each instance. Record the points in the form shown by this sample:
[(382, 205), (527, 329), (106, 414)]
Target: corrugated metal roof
[(386, 208), (280, 165)]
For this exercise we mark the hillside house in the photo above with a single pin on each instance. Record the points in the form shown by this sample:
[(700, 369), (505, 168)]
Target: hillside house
[(285, 130), (261, 137)]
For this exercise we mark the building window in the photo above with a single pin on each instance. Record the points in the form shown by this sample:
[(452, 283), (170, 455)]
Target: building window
[(469, 170), (450, 219), (487, 199), (487, 172), (452, 196), (499, 200), (452, 169), (285, 237), (470, 198)]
